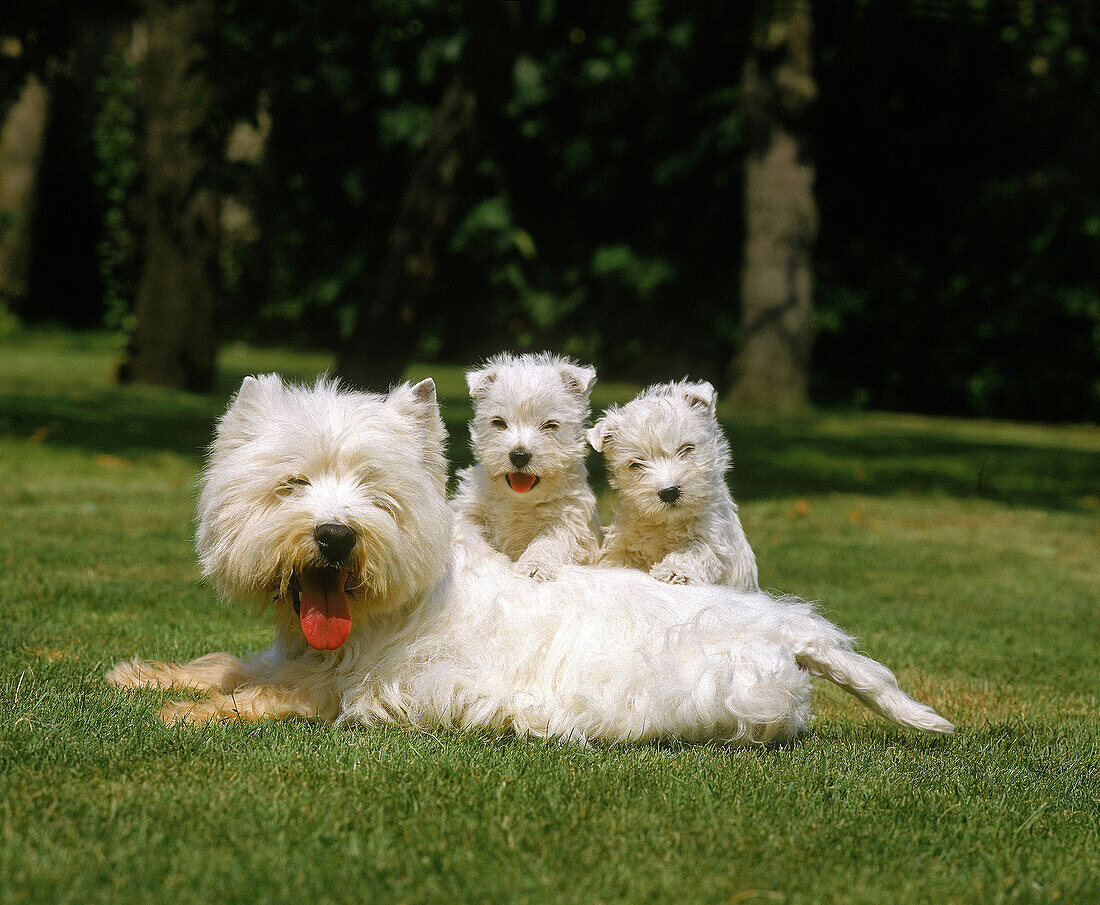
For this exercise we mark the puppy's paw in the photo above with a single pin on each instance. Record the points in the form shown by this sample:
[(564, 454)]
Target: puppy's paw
[(540, 571), (670, 574)]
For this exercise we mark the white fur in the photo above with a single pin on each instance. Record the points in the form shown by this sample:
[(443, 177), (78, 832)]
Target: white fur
[(445, 637), (669, 437), (537, 404)]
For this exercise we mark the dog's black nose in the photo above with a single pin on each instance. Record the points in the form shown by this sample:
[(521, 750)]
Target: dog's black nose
[(334, 541), (519, 457), (669, 494)]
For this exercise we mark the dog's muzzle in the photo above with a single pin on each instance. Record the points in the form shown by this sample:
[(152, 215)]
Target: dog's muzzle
[(669, 494), (334, 542)]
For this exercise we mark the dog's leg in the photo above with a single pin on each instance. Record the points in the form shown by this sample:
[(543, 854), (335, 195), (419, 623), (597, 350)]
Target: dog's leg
[(264, 687), (695, 564), (248, 703), (824, 650), (220, 671), (742, 570), (569, 542)]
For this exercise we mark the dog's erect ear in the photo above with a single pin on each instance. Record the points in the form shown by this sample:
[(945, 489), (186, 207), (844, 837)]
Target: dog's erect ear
[(244, 419), (578, 378), (600, 433), (479, 381), (701, 395), (424, 392), (418, 402), (258, 390)]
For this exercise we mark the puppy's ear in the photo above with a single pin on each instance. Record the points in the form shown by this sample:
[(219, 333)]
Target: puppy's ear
[(578, 378), (702, 396), (600, 433), (480, 380)]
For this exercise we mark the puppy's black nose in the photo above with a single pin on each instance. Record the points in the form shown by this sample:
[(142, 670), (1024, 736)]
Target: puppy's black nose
[(519, 457), (334, 541), (669, 494)]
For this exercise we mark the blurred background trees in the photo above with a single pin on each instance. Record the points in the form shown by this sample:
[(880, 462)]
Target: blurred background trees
[(440, 179)]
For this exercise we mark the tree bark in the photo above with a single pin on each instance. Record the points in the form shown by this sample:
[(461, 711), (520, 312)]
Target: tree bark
[(21, 143), (771, 370), (174, 341)]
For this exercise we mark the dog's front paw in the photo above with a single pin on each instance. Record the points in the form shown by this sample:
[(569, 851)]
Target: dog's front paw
[(540, 571), (197, 712), (669, 574)]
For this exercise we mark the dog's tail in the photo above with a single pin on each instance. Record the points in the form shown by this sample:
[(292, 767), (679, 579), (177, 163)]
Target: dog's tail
[(823, 650)]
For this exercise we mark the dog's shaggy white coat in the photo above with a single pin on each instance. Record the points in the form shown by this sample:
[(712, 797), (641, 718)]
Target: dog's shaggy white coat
[(666, 440), (534, 406), (442, 637)]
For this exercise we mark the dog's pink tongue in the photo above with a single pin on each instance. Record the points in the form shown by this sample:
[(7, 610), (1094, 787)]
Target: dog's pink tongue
[(326, 619), (521, 482)]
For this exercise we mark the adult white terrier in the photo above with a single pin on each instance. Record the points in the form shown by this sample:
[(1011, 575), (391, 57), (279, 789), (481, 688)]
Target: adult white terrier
[(331, 505), (528, 495), (667, 457)]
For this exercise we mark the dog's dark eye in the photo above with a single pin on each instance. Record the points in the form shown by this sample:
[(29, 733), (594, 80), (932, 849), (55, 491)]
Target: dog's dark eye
[(686, 450), (498, 423), (549, 426), (290, 483), (636, 465)]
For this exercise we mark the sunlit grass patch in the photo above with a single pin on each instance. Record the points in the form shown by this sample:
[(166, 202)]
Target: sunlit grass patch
[(983, 595)]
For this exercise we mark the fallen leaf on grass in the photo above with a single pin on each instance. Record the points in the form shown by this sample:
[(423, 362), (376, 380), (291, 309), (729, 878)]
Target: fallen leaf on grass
[(801, 508)]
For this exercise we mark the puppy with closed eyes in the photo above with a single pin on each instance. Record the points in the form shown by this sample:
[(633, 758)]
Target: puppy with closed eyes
[(527, 497), (667, 457)]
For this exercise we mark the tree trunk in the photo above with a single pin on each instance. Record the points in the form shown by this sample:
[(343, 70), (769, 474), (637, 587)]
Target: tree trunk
[(387, 330), (21, 142), (174, 342), (771, 368)]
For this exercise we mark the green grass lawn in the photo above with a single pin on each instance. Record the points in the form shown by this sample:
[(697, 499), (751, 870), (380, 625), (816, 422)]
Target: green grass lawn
[(966, 555)]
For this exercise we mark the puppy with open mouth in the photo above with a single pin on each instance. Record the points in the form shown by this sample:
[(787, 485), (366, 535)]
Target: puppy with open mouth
[(527, 497)]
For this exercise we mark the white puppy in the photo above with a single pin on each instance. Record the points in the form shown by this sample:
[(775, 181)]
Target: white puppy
[(332, 506), (528, 495), (668, 458)]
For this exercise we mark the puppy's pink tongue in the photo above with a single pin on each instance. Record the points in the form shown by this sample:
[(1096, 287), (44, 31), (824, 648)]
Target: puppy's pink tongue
[(324, 613), (521, 482)]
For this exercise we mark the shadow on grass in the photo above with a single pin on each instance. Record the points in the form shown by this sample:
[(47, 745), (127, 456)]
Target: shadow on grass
[(772, 458), (787, 461)]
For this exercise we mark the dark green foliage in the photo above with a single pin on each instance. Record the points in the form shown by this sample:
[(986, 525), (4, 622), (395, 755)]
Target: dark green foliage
[(956, 146), (115, 137), (351, 88), (606, 168), (961, 206), (957, 264)]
